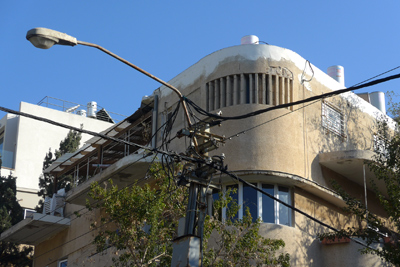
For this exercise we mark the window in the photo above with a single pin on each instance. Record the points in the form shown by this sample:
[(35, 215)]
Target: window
[(250, 201), (62, 263), (261, 205), (333, 119)]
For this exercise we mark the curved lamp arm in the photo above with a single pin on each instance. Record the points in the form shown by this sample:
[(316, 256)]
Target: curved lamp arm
[(45, 38)]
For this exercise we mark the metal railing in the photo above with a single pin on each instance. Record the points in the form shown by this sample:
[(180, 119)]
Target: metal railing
[(75, 108)]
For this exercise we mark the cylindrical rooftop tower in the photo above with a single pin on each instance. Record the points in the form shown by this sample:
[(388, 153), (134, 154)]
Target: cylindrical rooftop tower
[(337, 73)]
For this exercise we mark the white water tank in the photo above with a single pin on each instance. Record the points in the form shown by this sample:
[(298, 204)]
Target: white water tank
[(337, 73), (91, 109), (378, 100), (249, 39)]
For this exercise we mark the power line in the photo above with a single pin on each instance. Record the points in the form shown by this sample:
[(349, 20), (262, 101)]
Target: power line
[(93, 133), (172, 154), (310, 99), (94, 203), (289, 206), (201, 111), (261, 124)]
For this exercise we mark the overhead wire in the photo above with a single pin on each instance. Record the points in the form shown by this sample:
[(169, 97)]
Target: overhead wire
[(85, 131), (203, 112), (261, 124), (302, 79), (310, 99), (234, 176)]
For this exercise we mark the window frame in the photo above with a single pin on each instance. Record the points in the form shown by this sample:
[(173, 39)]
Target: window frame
[(259, 198), (338, 128), (61, 262)]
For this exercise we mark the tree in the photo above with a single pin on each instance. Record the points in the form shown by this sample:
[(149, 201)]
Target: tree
[(141, 221), (376, 229), (46, 181), (238, 242), (10, 214)]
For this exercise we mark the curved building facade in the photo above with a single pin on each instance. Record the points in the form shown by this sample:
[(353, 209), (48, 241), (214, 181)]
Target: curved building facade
[(293, 153)]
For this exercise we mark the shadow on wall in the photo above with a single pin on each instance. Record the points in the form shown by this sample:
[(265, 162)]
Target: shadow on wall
[(309, 251), (357, 130)]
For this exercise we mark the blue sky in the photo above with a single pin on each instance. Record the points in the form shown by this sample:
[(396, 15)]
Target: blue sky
[(166, 37)]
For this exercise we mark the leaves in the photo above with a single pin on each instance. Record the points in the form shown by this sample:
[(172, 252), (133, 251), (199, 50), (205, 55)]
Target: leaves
[(386, 167), (10, 214), (141, 222), (237, 242), (46, 181)]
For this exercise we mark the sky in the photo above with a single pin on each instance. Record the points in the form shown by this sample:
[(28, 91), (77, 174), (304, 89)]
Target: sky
[(166, 37)]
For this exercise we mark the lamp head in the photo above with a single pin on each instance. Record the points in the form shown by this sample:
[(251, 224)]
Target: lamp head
[(45, 38)]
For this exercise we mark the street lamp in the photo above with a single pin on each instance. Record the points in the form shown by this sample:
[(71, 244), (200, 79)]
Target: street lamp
[(45, 38)]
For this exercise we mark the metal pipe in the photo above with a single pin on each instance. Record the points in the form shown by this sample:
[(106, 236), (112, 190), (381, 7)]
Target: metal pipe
[(144, 72)]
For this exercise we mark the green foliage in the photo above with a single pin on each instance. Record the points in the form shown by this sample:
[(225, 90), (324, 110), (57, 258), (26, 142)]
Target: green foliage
[(386, 167), (237, 242), (141, 221), (393, 109), (46, 181), (10, 214)]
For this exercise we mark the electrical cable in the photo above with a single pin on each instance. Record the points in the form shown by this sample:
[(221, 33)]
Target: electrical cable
[(376, 76), (201, 111), (304, 72), (62, 218), (290, 206), (310, 99), (261, 124), (113, 139), (94, 203)]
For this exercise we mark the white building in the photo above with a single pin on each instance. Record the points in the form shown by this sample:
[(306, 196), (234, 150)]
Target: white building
[(24, 143)]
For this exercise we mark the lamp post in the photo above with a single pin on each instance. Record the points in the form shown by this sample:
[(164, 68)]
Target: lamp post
[(45, 38), (186, 249)]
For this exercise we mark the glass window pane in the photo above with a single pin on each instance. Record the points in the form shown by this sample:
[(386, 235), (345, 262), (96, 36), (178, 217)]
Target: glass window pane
[(284, 212), (234, 196), (268, 211), (250, 201)]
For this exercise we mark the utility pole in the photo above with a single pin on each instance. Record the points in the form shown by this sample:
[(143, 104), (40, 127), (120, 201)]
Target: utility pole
[(187, 249)]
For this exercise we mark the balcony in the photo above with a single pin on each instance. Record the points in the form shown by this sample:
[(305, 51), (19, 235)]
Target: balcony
[(350, 164), (35, 229)]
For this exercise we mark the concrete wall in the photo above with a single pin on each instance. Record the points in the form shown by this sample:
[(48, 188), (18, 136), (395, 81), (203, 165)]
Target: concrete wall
[(289, 142), (31, 139)]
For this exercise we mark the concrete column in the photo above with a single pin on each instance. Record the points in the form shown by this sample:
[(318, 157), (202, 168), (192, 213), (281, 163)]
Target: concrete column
[(222, 92), (282, 89), (212, 95), (291, 93), (264, 87), (242, 89), (270, 90), (256, 88), (229, 91), (251, 88), (235, 90), (217, 96), (287, 91)]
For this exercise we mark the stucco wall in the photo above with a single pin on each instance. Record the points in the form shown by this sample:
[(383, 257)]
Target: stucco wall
[(289, 142)]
